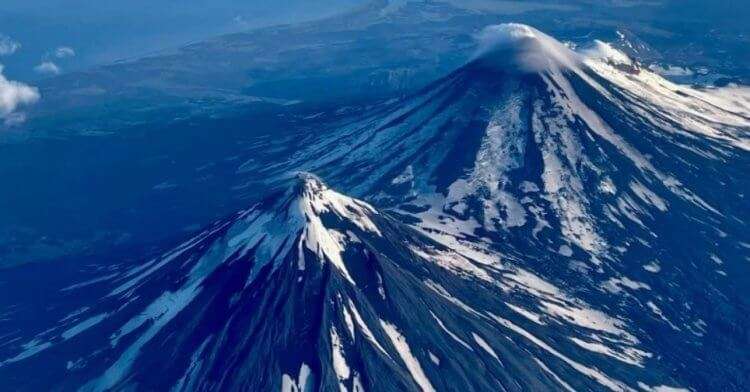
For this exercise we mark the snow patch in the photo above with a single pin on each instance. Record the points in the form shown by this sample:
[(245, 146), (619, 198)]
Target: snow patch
[(486, 347), (339, 360), (405, 352)]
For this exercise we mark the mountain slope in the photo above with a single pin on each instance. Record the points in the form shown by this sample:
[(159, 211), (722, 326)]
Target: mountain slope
[(539, 219), (585, 168), (312, 289)]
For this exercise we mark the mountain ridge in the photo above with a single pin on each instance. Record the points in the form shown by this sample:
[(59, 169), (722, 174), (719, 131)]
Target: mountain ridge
[(357, 319)]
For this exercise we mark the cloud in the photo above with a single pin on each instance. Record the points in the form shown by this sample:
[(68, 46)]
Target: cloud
[(14, 95), (603, 51), (64, 51), (514, 46), (47, 68), (8, 46)]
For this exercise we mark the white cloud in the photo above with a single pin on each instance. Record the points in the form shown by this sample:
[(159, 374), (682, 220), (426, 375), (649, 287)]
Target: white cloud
[(605, 52), (14, 95), (514, 46), (47, 68), (8, 46), (64, 51)]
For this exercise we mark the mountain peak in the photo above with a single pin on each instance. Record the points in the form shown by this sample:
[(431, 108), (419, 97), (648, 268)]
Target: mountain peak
[(308, 184), (313, 198), (519, 47)]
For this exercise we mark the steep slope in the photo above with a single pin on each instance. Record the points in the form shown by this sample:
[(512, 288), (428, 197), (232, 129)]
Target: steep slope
[(581, 166), (313, 290)]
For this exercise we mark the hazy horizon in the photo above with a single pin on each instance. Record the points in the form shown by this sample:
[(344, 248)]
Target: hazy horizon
[(106, 31)]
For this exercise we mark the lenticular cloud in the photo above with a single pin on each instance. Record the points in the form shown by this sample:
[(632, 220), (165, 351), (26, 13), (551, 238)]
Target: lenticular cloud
[(523, 48)]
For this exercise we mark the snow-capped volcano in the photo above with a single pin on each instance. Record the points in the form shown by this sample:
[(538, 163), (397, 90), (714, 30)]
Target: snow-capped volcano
[(580, 166), (539, 219), (313, 290), (534, 137)]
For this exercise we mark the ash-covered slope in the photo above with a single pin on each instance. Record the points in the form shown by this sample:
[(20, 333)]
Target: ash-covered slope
[(313, 290)]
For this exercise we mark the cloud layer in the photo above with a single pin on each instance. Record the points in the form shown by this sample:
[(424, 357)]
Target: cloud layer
[(14, 95)]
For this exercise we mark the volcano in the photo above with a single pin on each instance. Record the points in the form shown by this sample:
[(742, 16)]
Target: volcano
[(539, 219)]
